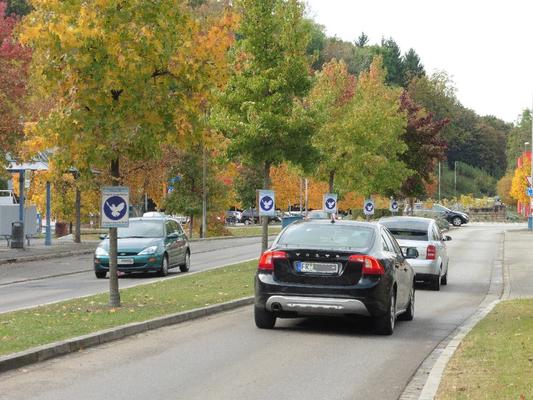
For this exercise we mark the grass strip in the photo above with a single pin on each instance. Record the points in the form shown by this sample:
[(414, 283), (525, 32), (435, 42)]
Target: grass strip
[(24, 329), (495, 360), (255, 230)]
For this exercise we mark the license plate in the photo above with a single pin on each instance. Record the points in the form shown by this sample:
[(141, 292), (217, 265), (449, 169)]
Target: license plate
[(125, 261), (316, 268)]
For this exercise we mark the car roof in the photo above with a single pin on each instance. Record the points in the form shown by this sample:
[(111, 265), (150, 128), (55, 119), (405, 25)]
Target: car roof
[(158, 218), (341, 222), (407, 222)]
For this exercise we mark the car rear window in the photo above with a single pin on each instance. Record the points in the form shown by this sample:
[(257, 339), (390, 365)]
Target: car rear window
[(326, 236), (409, 234)]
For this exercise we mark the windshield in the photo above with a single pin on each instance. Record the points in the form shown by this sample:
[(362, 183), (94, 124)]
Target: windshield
[(142, 229), (438, 207), (409, 234), (326, 236)]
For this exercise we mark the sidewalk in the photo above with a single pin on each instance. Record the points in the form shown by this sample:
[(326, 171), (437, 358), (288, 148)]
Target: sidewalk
[(518, 262), (38, 251)]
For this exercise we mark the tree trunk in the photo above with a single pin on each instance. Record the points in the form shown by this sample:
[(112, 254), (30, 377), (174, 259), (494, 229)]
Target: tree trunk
[(266, 185), (411, 206), (114, 293), (77, 236), (204, 194), (191, 223), (331, 180)]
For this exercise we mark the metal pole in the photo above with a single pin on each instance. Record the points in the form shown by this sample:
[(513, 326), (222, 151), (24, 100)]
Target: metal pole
[(306, 197), (21, 195), (439, 181), (48, 232), (455, 180), (204, 193), (530, 218)]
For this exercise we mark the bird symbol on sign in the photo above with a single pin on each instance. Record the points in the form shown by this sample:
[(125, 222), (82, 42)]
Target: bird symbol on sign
[(115, 210), (267, 203), (330, 203), (369, 206)]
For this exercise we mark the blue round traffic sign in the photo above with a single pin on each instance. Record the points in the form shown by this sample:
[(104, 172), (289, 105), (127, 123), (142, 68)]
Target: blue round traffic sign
[(330, 203), (266, 203), (115, 208), (369, 206), (394, 205)]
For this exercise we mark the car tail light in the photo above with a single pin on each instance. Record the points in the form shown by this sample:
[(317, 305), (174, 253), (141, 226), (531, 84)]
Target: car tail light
[(431, 252), (266, 262), (371, 265)]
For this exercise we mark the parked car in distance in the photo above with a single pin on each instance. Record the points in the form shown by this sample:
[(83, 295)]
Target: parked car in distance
[(149, 244), (251, 216), (233, 217), (318, 267), (431, 265), (456, 218)]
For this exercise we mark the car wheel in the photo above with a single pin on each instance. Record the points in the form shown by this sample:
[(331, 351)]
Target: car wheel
[(435, 284), (457, 221), (187, 265), (164, 266), (264, 319), (384, 324), (409, 314), (100, 274), (444, 279), (247, 222)]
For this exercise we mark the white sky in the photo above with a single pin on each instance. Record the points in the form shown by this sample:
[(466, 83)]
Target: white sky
[(486, 46)]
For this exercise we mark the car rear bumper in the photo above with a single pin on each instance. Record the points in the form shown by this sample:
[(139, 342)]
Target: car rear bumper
[(425, 267), (315, 305), (369, 297)]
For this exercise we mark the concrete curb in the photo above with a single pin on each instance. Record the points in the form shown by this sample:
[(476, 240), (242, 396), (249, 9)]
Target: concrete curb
[(46, 256), (425, 382), (60, 348)]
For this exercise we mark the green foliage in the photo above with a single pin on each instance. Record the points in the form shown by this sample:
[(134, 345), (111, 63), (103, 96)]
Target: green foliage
[(118, 73), (519, 134), (249, 179), (470, 180), (18, 7), (261, 109)]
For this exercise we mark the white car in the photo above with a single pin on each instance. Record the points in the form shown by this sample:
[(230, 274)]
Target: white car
[(431, 265)]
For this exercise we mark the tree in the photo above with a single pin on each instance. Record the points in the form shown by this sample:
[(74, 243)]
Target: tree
[(503, 189), (120, 72), (424, 147), (248, 179), (362, 40), (518, 135), (18, 7), (519, 183), (412, 67), (14, 67), (393, 63), (261, 109)]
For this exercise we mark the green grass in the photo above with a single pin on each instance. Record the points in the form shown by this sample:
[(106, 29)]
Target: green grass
[(253, 230), (21, 330), (495, 361)]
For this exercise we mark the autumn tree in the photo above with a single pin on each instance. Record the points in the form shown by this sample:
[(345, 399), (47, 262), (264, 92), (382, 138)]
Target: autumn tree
[(14, 66), (519, 183), (261, 109), (120, 72), (424, 147), (503, 189)]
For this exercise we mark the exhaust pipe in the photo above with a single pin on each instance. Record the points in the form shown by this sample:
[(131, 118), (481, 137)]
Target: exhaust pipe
[(276, 307)]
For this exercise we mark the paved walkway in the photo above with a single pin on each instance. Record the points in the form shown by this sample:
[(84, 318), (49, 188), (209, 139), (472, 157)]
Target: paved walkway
[(518, 256), (37, 250)]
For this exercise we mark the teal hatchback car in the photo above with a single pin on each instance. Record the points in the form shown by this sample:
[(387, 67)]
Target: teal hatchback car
[(149, 244)]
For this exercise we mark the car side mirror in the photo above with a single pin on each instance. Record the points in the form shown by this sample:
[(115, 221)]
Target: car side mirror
[(411, 252), (173, 235), (102, 236), (447, 238)]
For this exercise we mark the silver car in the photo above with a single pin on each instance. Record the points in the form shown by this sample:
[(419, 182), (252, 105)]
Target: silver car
[(431, 265)]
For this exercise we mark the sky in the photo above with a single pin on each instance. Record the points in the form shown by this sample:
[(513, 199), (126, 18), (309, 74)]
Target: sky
[(485, 46)]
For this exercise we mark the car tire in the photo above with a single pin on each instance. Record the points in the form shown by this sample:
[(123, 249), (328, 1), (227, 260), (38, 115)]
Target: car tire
[(384, 324), (100, 274), (164, 266), (264, 319), (187, 265), (435, 284), (247, 222), (444, 279), (457, 221), (409, 314)]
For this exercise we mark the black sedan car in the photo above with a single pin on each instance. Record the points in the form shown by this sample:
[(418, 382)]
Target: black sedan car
[(323, 267)]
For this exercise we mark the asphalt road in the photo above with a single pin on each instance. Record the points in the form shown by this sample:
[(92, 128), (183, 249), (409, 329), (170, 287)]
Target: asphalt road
[(226, 357), (28, 284)]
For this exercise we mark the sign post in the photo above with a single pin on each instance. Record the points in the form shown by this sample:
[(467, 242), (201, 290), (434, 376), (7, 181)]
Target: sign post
[(266, 201), (329, 203), (394, 206), (368, 208)]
